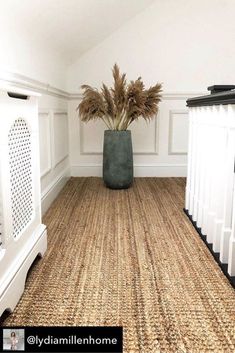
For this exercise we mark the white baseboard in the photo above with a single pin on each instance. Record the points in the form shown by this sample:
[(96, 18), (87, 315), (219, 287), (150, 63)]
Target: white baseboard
[(159, 170), (53, 189)]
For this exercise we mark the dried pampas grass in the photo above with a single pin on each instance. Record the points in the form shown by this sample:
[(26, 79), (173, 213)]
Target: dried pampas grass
[(119, 106)]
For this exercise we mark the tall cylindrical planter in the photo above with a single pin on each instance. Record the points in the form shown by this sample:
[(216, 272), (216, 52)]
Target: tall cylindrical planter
[(117, 159)]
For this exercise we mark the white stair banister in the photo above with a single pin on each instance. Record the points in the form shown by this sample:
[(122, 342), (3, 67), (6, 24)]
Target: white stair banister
[(210, 187)]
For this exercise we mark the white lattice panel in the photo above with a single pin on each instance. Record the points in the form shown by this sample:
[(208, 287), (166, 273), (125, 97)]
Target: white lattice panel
[(20, 159)]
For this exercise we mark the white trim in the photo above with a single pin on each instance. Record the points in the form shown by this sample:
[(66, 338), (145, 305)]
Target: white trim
[(9, 87), (21, 81), (60, 160), (158, 170), (60, 112), (52, 190), (25, 82), (165, 95), (181, 95), (45, 172), (75, 96)]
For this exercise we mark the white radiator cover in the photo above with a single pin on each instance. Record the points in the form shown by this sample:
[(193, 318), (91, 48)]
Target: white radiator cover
[(22, 235), (210, 194)]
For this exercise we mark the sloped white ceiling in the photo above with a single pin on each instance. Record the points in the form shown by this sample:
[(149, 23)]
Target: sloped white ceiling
[(70, 26)]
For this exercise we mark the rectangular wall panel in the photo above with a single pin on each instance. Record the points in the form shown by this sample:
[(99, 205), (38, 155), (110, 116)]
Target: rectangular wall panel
[(45, 142), (178, 132), (92, 133), (60, 137)]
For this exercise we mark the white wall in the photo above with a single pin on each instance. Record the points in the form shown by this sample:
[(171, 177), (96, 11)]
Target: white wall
[(21, 53), (187, 45)]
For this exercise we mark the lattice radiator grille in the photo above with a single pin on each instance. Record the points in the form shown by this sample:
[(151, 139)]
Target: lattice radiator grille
[(20, 151), (22, 235)]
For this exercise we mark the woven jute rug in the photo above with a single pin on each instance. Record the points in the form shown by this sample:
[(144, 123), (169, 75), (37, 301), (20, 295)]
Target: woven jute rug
[(130, 258)]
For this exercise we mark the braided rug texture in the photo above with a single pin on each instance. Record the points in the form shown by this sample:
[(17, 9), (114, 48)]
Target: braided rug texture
[(130, 258)]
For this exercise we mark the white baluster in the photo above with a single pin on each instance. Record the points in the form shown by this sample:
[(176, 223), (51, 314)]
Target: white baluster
[(197, 167), (193, 163), (220, 178), (202, 172), (213, 174), (189, 168), (207, 145), (229, 183), (231, 256)]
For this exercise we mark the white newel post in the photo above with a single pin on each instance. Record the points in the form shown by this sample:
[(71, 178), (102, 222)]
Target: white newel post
[(210, 187), (22, 235)]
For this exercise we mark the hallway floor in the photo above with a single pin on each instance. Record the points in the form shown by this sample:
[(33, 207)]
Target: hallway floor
[(130, 258)]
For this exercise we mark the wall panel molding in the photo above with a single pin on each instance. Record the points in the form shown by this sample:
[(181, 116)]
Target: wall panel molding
[(173, 114), (160, 149), (159, 143), (45, 146), (57, 172), (87, 153), (59, 137), (54, 139)]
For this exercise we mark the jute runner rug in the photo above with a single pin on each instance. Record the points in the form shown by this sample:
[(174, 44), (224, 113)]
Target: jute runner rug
[(130, 258)]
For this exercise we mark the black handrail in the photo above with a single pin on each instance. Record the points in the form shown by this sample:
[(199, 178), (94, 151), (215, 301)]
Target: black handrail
[(220, 94)]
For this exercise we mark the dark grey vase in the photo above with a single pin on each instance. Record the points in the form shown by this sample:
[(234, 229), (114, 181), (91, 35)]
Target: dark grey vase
[(117, 159)]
